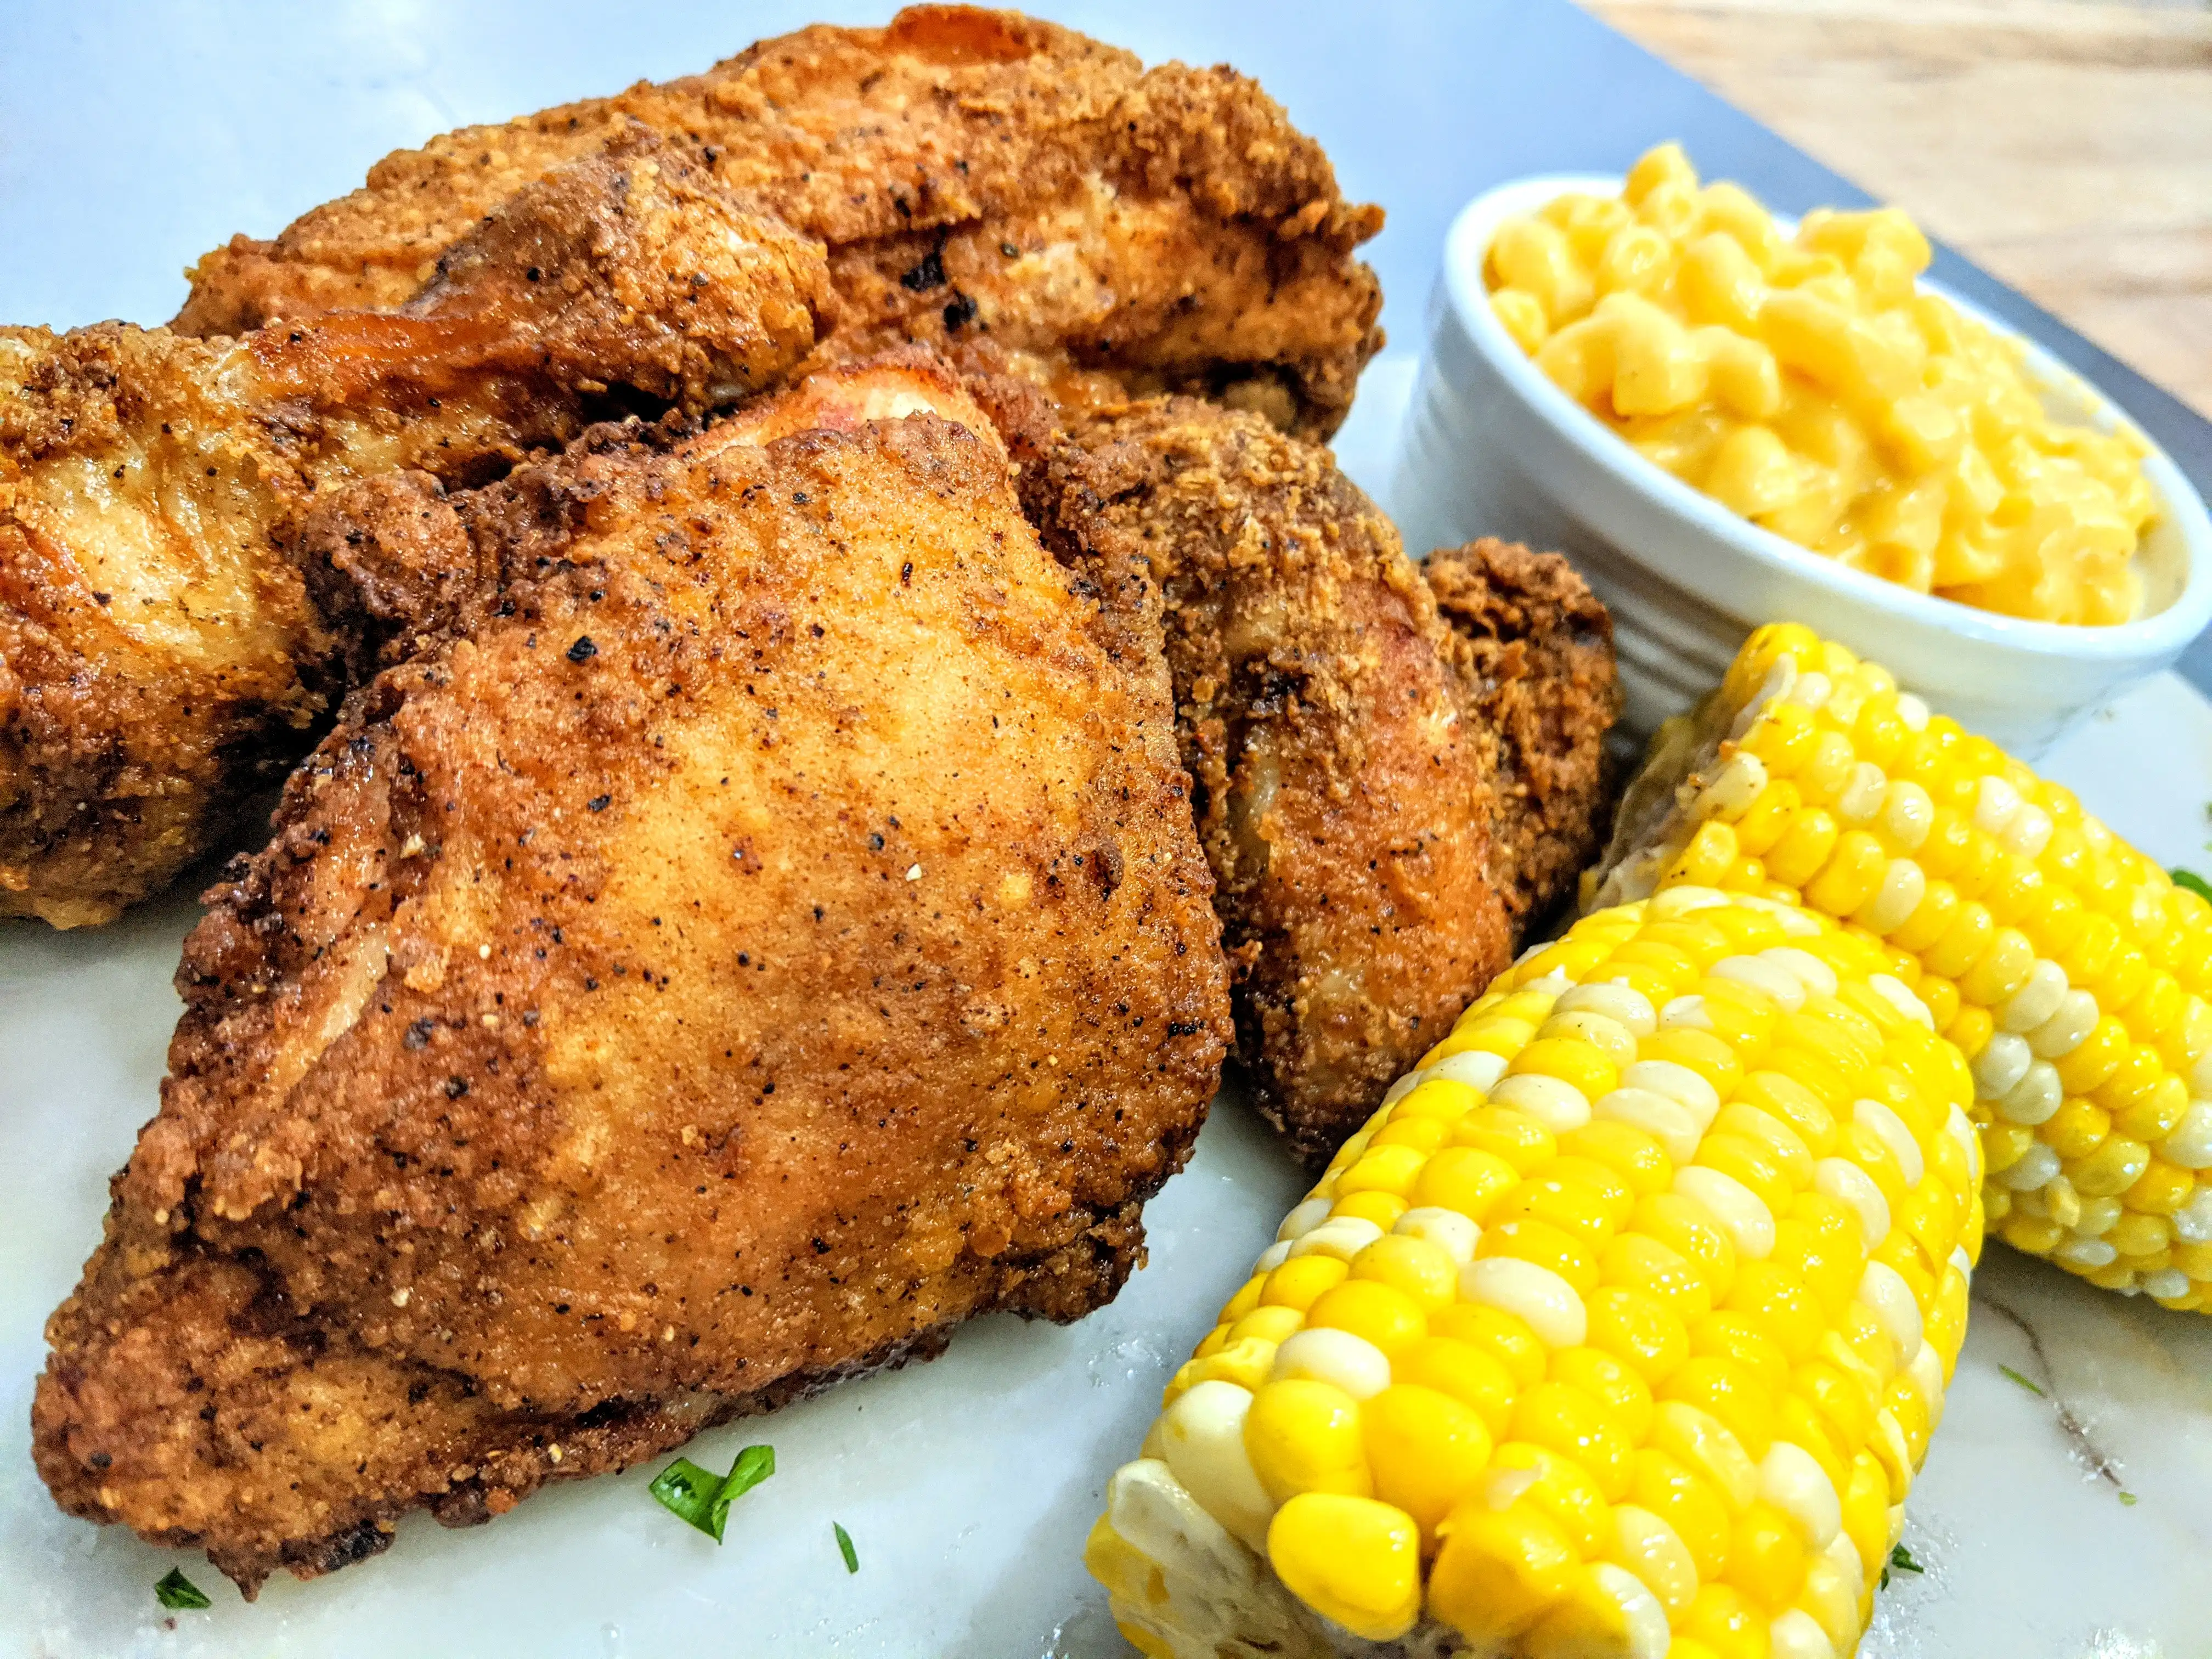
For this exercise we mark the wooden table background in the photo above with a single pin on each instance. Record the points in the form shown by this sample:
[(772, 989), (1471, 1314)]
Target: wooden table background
[(2064, 145)]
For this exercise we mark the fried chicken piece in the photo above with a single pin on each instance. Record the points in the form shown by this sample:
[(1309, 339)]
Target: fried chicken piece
[(1532, 667), (772, 935), (1344, 810), (973, 174), (158, 657)]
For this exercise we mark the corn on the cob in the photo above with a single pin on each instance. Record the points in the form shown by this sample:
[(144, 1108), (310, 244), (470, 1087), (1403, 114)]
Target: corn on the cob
[(2068, 967), (1619, 1328)]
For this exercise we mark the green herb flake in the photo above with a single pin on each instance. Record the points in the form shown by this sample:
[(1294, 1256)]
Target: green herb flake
[(1901, 1558), (2195, 883), (2018, 1378), (2128, 1498), (702, 1498), (179, 1593), (853, 1556)]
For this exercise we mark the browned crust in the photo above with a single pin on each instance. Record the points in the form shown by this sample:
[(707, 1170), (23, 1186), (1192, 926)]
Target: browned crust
[(1530, 652), (1344, 813), (973, 174), (465, 1156)]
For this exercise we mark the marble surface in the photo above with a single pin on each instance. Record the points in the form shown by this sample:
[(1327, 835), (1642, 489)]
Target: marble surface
[(2069, 1520)]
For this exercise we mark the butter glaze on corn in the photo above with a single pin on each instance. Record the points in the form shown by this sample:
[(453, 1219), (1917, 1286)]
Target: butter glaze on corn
[(2065, 965), (1619, 1328)]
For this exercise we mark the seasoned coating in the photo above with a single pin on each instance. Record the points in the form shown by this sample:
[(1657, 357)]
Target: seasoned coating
[(774, 934), (1531, 659), (158, 657), (975, 175), (1343, 810)]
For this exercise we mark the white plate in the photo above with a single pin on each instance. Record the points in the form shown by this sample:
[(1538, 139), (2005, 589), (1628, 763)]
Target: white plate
[(968, 1483)]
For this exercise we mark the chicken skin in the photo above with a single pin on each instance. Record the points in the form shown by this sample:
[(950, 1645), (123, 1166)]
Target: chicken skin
[(1389, 790), (973, 174), (771, 933), (158, 655)]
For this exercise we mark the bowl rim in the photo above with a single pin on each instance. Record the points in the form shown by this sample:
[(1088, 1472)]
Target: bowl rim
[(2164, 634)]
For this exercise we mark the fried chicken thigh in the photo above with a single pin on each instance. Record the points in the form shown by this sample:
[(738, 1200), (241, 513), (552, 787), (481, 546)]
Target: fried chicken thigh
[(1388, 790), (159, 656), (975, 175), (770, 934)]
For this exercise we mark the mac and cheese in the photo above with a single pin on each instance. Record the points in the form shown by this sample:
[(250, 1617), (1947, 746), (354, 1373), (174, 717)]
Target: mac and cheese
[(1803, 382)]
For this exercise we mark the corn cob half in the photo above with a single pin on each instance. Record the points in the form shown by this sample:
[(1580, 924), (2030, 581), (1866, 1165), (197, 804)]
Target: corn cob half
[(2068, 967), (1618, 1329)]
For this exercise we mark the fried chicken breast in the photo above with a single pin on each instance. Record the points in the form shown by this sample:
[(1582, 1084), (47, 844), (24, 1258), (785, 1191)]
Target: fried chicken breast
[(975, 175), (771, 934), (158, 657)]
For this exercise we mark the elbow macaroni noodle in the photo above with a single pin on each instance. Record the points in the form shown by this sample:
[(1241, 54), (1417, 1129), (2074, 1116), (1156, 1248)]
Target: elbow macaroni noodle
[(1804, 383)]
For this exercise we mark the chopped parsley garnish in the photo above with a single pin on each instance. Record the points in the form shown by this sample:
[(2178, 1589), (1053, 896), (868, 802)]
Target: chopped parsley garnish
[(845, 1548), (702, 1497), (2128, 1498), (178, 1592), (2018, 1378), (2195, 883)]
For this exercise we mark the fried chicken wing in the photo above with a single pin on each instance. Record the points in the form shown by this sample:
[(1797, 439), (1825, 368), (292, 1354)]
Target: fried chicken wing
[(1346, 820), (975, 175), (1531, 658), (770, 934), (159, 656)]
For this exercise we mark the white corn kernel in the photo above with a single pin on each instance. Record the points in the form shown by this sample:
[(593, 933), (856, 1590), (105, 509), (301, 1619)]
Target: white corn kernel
[(1321, 1353), (1902, 997), (1960, 1128), (1448, 1229), (1342, 1236), (1272, 1257), (1546, 1303), (1907, 815), (1202, 1434), (1644, 1544), (2035, 1098), (1807, 970), (2035, 1001), (2200, 1076), (1995, 805), (1404, 1086), (1926, 1371), (1883, 1291), (1689, 1010), (2087, 1254), (1624, 1004), (1670, 1125), (1303, 1219), (2167, 1283), (1810, 691), (1912, 711), (2099, 1215), (1554, 1101), (2029, 832), (2004, 1060), (1792, 1480), (1842, 1179), (1732, 791), (2068, 1027), (1903, 885), (1778, 984), (1862, 794), (1684, 900), (1739, 1211), (1677, 1083), (1476, 1067), (1894, 1133), (1644, 1629), (2033, 1167), (2190, 1145)]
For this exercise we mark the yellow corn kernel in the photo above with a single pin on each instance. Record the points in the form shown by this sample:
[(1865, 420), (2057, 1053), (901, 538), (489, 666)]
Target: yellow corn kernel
[(1566, 1420), (1301, 1280), (1686, 1502), (1383, 1170), (1498, 1572), (1521, 1141), (1473, 1375), (1467, 1179), (1425, 1449), (1374, 1311), (1352, 1559), (1638, 1329), (1423, 1271), (1304, 1436), (1504, 1336)]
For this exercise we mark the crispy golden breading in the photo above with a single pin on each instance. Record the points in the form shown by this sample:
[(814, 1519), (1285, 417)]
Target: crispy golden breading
[(1531, 658), (973, 174), (773, 934), (1343, 811), (158, 655)]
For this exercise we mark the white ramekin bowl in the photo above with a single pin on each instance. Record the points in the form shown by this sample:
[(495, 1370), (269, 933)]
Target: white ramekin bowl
[(1493, 448)]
